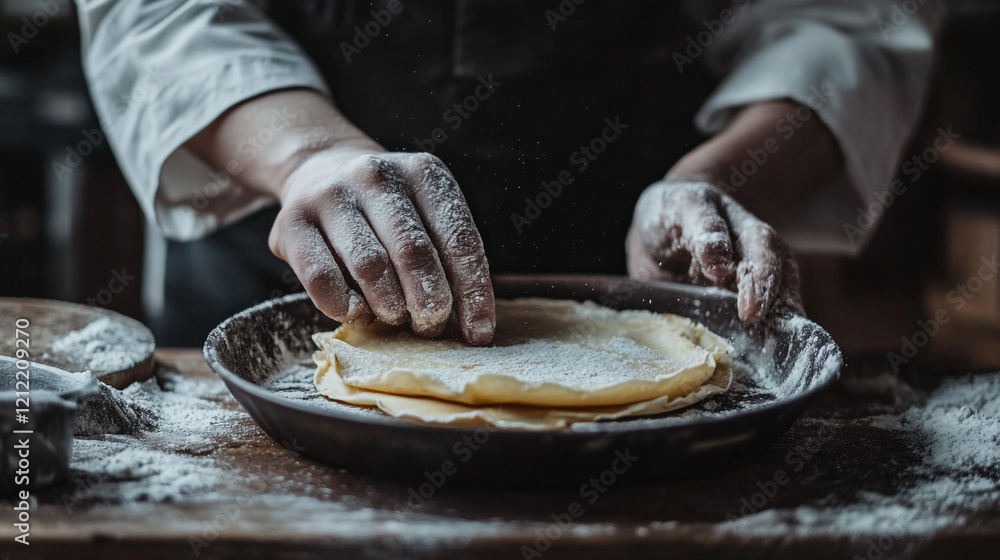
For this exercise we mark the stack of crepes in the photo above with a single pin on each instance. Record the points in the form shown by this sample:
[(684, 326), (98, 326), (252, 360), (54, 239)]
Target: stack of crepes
[(551, 363)]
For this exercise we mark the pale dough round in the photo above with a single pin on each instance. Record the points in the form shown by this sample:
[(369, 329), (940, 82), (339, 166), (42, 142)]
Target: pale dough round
[(552, 362), (435, 411)]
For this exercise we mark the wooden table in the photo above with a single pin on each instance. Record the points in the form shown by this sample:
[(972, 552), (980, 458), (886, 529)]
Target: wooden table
[(836, 486)]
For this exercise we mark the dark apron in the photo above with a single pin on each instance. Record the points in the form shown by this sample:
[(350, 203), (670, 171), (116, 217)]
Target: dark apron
[(596, 102)]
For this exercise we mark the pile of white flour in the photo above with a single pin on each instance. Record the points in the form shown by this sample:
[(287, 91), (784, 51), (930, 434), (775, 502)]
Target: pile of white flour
[(107, 345), (955, 432), (152, 443)]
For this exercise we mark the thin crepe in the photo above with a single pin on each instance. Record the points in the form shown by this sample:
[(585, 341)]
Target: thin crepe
[(549, 353), (332, 355)]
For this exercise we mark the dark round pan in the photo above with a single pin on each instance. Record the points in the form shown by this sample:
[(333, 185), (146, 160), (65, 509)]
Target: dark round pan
[(783, 363)]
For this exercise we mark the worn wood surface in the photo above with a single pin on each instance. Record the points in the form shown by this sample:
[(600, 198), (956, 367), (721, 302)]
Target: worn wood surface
[(828, 489), (52, 320)]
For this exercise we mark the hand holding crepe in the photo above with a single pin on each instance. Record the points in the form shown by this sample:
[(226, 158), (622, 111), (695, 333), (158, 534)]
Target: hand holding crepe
[(551, 363)]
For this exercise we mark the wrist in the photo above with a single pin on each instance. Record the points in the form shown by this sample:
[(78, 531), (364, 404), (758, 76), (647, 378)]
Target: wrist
[(263, 140), (313, 165), (755, 164), (316, 158)]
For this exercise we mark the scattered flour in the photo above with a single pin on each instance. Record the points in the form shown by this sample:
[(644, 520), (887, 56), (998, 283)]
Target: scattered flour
[(119, 470), (956, 431), (960, 423), (107, 345), (152, 441), (117, 412)]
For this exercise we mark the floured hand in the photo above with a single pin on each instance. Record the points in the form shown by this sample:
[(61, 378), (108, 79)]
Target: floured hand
[(385, 235), (693, 232)]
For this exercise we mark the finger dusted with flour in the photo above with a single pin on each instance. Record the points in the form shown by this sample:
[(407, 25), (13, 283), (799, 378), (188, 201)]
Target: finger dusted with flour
[(387, 203), (305, 249), (767, 271), (450, 225), (363, 257)]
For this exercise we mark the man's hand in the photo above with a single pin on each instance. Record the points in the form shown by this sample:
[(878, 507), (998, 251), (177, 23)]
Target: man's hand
[(370, 234), (693, 232), (688, 230), (386, 236)]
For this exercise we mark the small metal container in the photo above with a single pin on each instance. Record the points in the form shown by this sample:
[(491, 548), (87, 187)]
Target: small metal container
[(39, 448)]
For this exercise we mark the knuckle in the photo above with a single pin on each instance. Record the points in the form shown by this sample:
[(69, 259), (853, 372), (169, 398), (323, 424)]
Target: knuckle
[(414, 253), (767, 235), (434, 175), (331, 300), (374, 170), (292, 216), (709, 192), (333, 197), (715, 223), (463, 239), (315, 277), (370, 263), (693, 198), (291, 222), (426, 161)]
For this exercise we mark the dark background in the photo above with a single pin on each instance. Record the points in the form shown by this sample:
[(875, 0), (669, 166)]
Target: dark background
[(65, 234)]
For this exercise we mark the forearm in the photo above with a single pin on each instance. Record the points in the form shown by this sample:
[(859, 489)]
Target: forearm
[(264, 139), (794, 165)]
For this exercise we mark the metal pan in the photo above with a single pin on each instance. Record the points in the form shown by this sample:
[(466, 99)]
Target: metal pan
[(783, 363)]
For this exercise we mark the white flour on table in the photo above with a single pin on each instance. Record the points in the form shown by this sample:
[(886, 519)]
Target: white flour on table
[(956, 432), (106, 345), (148, 443)]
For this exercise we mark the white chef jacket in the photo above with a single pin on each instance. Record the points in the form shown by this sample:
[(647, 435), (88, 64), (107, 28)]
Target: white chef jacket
[(159, 71)]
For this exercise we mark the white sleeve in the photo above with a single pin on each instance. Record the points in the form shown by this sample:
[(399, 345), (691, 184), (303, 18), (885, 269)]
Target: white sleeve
[(863, 66), (159, 71)]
